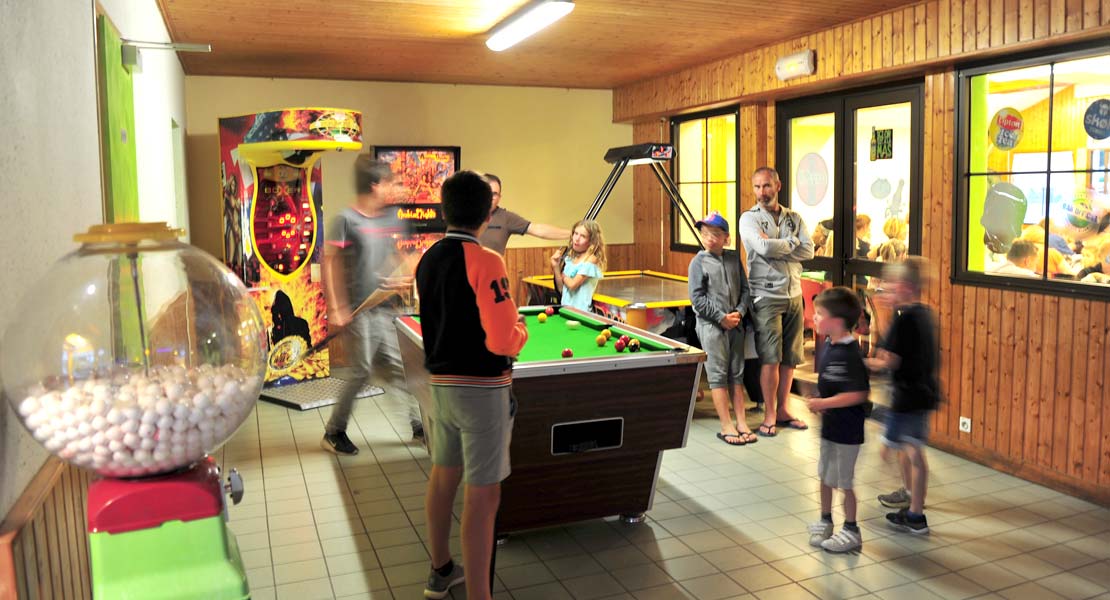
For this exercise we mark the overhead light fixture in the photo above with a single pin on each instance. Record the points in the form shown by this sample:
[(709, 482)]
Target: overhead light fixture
[(531, 18), (795, 65)]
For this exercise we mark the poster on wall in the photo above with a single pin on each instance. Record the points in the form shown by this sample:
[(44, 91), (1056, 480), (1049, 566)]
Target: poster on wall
[(422, 170)]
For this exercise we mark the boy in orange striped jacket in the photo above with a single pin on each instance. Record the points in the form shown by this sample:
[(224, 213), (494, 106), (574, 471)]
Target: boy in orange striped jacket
[(471, 330)]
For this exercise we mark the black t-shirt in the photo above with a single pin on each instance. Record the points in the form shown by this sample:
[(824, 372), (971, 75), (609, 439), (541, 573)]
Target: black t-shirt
[(842, 370), (913, 337)]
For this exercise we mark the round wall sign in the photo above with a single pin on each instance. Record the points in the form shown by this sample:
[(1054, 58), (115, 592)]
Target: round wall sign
[(1097, 119), (1006, 128), (812, 179)]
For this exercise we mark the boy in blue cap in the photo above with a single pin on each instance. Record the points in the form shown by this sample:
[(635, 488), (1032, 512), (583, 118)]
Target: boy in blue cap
[(720, 296)]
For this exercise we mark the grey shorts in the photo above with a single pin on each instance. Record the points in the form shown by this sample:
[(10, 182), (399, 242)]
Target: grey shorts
[(472, 428), (836, 466), (724, 350), (906, 428), (778, 330)]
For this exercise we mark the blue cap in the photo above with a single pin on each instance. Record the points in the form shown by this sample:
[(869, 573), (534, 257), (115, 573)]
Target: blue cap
[(713, 219)]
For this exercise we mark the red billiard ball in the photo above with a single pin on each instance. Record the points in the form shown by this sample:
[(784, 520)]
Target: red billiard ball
[(619, 346), (634, 346), (567, 353), (549, 311), (625, 339)]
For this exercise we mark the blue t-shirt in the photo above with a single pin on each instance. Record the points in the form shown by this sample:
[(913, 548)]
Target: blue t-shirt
[(842, 370), (581, 298)]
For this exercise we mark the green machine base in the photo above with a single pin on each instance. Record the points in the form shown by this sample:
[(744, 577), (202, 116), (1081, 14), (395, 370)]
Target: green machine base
[(193, 559)]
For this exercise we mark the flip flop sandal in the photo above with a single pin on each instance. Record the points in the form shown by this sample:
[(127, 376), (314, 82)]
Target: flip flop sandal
[(748, 437), (792, 424), (724, 437), (766, 431)]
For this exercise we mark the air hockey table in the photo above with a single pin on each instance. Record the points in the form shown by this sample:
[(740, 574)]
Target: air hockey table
[(647, 300)]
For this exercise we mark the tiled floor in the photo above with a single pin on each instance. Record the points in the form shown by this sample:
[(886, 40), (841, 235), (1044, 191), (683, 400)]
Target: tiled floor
[(728, 523)]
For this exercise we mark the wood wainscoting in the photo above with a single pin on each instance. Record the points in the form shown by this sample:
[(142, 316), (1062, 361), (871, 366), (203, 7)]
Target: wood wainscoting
[(1031, 370), (525, 262), (44, 544)]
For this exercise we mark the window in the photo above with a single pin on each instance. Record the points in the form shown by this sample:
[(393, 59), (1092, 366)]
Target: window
[(707, 163), (1033, 198)]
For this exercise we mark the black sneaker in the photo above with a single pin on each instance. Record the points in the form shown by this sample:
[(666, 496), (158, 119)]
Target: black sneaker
[(901, 521), (339, 443)]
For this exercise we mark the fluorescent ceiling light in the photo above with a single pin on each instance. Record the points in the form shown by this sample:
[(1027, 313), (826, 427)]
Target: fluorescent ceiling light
[(527, 21)]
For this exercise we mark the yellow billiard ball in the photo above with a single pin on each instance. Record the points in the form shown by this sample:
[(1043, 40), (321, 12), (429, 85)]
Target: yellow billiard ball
[(601, 339), (542, 318)]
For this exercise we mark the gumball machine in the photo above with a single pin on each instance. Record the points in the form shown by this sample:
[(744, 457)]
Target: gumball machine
[(136, 356)]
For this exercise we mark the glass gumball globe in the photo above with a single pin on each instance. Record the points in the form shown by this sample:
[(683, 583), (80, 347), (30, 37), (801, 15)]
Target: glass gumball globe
[(136, 354)]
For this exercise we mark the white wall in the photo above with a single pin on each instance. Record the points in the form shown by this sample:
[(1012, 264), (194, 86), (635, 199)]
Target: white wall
[(159, 101), (546, 144), (49, 171)]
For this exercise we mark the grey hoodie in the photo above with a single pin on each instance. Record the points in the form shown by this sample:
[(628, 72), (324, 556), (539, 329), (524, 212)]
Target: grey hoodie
[(718, 286), (775, 264)]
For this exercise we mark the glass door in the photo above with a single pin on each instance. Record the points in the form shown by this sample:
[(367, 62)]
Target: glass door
[(851, 167)]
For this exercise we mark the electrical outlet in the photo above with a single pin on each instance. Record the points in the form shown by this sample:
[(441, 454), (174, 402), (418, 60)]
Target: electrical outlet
[(965, 424)]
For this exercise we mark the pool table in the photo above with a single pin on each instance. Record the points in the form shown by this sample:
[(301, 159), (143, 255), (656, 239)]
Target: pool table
[(590, 430), (643, 299)]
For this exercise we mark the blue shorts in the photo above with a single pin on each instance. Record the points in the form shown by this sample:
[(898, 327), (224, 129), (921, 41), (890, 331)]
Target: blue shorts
[(906, 428)]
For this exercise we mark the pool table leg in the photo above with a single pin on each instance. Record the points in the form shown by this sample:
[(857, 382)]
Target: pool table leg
[(633, 518)]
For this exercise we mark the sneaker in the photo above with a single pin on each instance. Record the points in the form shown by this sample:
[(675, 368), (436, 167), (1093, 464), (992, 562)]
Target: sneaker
[(418, 432), (819, 532), (438, 586), (339, 443), (901, 521), (899, 498), (845, 540)]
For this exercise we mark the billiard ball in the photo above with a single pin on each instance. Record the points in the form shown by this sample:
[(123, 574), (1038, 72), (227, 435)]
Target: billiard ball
[(573, 324), (619, 346), (567, 353), (634, 345), (549, 311), (542, 318), (625, 339), (607, 333), (601, 339)]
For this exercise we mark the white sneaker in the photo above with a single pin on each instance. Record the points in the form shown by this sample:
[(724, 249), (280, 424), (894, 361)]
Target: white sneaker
[(844, 541), (819, 532)]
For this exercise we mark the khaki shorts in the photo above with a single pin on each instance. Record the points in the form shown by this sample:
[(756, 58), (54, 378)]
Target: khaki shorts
[(472, 428), (778, 330), (724, 352), (836, 466)]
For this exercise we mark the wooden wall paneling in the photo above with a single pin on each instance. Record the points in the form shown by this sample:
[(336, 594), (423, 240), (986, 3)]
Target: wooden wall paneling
[(1075, 437), (1042, 18), (1074, 18), (1105, 12), (991, 366), (1061, 393), (982, 24), (1034, 401), (65, 525), (1048, 397), (866, 51), (42, 560), (1018, 400), (1090, 13), (971, 11), (1025, 20), (931, 26), (1095, 393), (893, 23), (1058, 19), (1010, 24), (921, 41), (981, 309), (1005, 374), (967, 368), (997, 28), (1104, 383), (956, 31)]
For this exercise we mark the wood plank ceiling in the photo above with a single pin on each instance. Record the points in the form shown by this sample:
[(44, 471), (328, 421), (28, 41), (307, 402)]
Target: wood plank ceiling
[(601, 44)]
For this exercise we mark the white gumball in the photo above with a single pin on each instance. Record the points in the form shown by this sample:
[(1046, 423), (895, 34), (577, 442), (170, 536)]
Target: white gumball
[(99, 423), (150, 416), (84, 429), (165, 422), (54, 444), (115, 445), (43, 432), (115, 416), (29, 406), (201, 400), (129, 426), (131, 440), (113, 433), (142, 456), (181, 412), (146, 430), (148, 444), (163, 407), (180, 425)]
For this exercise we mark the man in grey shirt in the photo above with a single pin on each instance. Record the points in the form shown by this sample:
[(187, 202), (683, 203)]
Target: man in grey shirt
[(504, 223), (359, 260), (776, 241)]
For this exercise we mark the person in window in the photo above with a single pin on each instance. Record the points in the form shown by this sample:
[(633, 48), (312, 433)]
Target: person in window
[(1020, 260), (1096, 260), (823, 238), (863, 236), (1056, 264)]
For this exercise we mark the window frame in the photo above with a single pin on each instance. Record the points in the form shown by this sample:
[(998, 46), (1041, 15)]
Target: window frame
[(676, 245), (962, 177)]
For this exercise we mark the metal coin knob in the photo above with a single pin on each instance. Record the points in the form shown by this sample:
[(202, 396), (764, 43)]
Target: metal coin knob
[(234, 487)]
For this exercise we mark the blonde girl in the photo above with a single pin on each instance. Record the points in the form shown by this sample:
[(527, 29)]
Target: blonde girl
[(579, 267)]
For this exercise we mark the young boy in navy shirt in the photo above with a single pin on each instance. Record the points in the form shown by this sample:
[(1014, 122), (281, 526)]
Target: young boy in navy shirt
[(843, 387)]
